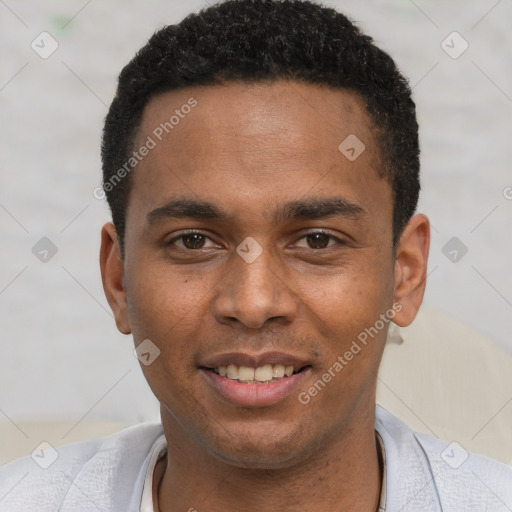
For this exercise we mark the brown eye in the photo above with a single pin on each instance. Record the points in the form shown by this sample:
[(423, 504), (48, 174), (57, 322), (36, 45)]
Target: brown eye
[(193, 241), (318, 240)]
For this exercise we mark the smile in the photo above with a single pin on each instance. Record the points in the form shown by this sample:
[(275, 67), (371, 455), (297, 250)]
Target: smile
[(261, 375), (261, 385)]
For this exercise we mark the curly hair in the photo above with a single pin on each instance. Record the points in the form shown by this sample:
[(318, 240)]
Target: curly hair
[(264, 41)]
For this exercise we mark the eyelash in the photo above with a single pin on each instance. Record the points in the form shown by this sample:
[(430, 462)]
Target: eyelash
[(320, 231)]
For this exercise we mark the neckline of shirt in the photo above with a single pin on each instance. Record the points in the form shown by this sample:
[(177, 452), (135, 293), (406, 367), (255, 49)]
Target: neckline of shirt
[(159, 449)]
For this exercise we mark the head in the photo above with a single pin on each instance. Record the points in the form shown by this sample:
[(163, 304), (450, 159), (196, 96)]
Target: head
[(267, 219), (265, 41)]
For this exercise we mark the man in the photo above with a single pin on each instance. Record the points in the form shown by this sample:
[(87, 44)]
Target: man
[(261, 164)]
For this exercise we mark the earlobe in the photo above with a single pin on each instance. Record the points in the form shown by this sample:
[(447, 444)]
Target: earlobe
[(411, 268), (111, 264)]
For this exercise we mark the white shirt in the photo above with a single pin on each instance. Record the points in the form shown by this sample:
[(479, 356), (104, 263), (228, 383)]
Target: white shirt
[(115, 473), (158, 451)]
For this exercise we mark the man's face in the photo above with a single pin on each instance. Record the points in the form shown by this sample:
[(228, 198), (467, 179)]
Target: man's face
[(266, 278)]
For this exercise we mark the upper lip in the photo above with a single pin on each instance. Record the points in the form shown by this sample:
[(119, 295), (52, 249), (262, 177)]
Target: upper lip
[(253, 360)]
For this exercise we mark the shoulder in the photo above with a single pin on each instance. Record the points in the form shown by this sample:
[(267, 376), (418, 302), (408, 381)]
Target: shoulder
[(465, 477), (80, 476), (432, 474)]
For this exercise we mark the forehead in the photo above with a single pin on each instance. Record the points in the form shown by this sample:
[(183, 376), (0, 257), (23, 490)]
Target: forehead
[(259, 111), (257, 144)]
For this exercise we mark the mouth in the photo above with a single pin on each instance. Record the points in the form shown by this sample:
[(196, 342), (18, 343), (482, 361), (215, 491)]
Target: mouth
[(254, 381), (264, 374)]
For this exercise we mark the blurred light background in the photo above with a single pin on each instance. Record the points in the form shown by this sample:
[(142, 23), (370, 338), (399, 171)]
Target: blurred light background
[(61, 353)]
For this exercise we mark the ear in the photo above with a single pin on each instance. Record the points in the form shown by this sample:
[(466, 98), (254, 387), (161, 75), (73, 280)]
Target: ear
[(411, 268), (111, 264)]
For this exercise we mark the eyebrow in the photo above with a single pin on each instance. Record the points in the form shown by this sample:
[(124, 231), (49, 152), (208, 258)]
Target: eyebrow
[(302, 209)]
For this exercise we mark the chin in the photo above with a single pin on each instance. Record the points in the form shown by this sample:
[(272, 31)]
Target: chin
[(256, 457), (261, 447)]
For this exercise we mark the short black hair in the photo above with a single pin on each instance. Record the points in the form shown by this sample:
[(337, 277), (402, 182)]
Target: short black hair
[(264, 41)]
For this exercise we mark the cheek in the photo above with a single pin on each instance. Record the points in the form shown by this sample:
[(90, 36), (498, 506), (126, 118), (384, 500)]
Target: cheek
[(167, 311), (349, 320), (165, 306), (350, 296), (346, 313)]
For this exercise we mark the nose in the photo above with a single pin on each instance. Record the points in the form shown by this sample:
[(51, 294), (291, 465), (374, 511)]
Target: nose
[(254, 293)]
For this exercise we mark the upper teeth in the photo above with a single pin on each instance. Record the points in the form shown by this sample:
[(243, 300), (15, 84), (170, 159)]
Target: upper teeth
[(261, 373)]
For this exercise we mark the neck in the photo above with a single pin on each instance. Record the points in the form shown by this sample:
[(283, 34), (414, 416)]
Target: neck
[(345, 474)]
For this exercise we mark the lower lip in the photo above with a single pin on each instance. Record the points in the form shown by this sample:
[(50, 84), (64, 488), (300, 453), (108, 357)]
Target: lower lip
[(255, 395)]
